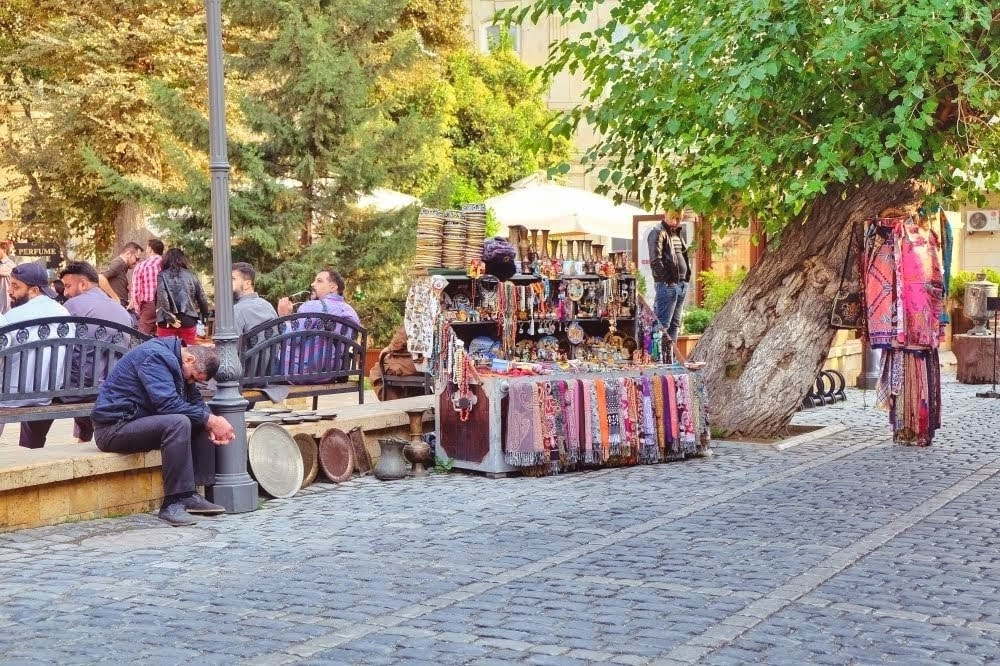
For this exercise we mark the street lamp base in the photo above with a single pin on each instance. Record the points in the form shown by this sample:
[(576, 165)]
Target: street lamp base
[(237, 492)]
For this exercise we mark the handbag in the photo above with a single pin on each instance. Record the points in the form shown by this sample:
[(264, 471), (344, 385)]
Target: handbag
[(848, 304), (165, 318)]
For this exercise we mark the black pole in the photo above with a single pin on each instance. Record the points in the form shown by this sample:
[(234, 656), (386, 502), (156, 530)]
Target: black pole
[(233, 488)]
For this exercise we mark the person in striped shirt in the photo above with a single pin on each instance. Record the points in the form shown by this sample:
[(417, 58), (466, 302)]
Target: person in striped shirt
[(143, 301)]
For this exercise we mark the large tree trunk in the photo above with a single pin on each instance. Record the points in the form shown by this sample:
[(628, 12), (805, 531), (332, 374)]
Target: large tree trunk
[(130, 226), (765, 347)]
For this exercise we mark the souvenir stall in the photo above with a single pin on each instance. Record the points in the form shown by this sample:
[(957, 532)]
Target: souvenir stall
[(902, 288), (544, 360)]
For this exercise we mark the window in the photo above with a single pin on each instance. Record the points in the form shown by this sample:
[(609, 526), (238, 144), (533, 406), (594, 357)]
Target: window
[(491, 36)]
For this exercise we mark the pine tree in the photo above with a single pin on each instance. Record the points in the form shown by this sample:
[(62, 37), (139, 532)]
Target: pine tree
[(326, 115)]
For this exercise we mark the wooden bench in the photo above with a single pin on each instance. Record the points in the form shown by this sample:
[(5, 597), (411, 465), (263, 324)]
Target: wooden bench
[(310, 355), (69, 343), (423, 381)]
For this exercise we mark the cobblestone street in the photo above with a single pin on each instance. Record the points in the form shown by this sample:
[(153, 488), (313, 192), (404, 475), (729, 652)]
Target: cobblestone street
[(842, 550)]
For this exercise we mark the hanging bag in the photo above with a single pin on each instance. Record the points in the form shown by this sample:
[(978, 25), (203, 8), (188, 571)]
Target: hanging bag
[(848, 304)]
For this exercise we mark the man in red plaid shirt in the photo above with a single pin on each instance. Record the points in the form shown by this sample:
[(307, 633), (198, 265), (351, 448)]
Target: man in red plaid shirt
[(144, 276)]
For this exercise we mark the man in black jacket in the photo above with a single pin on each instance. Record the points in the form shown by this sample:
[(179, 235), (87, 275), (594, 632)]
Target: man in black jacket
[(150, 401), (668, 259)]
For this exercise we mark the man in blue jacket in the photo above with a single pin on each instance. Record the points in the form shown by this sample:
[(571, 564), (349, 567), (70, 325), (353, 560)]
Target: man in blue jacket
[(150, 401)]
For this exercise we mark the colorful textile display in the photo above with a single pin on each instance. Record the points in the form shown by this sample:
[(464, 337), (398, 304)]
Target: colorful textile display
[(904, 289), (524, 446), (557, 425)]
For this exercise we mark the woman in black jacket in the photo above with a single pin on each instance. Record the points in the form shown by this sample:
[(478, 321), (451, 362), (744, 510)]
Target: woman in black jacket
[(179, 298)]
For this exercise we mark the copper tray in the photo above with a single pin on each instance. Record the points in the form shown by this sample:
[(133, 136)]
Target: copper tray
[(310, 457), (336, 455), (362, 461), (275, 461)]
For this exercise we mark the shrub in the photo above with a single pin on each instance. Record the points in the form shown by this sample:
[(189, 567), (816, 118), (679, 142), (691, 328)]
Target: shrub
[(696, 320), (956, 286), (716, 288)]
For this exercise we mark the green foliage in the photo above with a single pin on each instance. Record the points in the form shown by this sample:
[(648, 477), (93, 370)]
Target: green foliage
[(79, 77), (753, 109), (696, 320), (717, 289), (500, 131), (439, 22), (957, 282), (443, 464)]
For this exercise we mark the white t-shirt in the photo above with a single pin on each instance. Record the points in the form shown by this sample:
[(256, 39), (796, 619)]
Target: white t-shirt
[(37, 308)]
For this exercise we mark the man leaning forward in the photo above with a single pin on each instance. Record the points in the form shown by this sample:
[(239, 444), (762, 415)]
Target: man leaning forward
[(150, 400)]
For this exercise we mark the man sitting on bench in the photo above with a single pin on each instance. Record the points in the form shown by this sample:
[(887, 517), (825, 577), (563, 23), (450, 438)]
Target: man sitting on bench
[(327, 297), (32, 298), (151, 401)]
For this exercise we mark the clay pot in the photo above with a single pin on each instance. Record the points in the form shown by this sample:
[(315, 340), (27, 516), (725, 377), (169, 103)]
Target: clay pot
[(418, 452)]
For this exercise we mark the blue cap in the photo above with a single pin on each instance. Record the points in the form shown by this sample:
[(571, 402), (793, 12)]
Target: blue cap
[(33, 275)]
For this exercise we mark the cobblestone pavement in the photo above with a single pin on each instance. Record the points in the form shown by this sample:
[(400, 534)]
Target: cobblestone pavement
[(842, 550)]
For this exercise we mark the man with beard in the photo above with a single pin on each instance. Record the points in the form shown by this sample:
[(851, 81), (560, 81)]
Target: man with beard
[(84, 299), (32, 299), (249, 309)]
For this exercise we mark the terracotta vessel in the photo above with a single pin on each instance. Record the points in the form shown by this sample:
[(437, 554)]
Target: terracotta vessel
[(417, 451)]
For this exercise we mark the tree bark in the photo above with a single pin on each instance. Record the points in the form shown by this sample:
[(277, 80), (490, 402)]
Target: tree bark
[(130, 226), (764, 348)]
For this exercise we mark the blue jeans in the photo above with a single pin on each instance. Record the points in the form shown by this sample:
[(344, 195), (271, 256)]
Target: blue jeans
[(669, 299)]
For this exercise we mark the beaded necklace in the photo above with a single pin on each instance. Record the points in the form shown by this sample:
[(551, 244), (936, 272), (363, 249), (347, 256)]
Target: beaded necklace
[(507, 319)]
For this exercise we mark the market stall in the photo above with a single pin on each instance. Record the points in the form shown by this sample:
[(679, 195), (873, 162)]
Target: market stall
[(544, 359)]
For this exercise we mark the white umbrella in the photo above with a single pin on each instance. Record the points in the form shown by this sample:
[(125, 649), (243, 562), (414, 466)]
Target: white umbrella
[(563, 210)]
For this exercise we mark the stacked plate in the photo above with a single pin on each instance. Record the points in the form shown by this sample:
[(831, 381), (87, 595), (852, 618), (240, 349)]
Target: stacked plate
[(475, 228), (430, 236), (453, 255)]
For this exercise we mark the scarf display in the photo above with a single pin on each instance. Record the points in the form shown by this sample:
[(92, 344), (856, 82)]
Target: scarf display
[(649, 445), (523, 445), (904, 292), (911, 382), (422, 308), (558, 425)]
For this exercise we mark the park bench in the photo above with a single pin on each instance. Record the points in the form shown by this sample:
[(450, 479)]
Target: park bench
[(69, 343), (306, 355)]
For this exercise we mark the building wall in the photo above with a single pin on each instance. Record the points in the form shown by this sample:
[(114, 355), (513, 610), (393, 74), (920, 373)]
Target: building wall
[(979, 249)]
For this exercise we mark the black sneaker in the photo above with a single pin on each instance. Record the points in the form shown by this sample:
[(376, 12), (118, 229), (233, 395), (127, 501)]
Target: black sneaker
[(199, 505), (176, 515)]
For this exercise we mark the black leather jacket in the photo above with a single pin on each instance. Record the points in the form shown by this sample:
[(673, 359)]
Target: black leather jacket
[(185, 291), (661, 255)]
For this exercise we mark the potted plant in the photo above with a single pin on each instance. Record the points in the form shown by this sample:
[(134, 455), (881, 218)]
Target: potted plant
[(693, 324), (956, 299)]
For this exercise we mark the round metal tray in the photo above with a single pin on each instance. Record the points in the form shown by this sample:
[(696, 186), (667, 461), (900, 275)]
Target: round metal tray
[(336, 455), (275, 461)]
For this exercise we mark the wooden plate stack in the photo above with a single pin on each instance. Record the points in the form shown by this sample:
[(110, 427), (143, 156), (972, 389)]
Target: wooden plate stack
[(430, 236), (475, 229), (453, 256)]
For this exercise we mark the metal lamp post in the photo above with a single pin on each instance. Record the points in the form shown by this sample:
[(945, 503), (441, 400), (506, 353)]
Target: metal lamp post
[(233, 489)]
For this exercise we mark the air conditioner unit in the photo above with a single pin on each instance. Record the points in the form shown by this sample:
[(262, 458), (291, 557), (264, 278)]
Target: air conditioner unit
[(982, 220)]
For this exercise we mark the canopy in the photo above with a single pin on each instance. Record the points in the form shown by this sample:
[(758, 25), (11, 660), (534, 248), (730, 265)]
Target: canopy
[(563, 210)]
